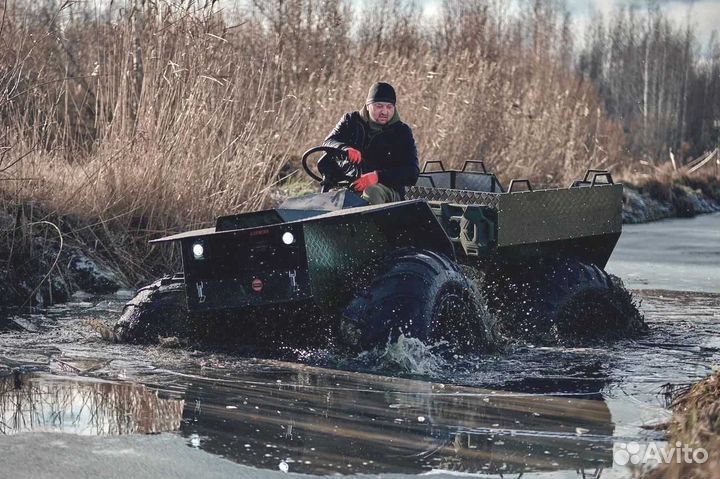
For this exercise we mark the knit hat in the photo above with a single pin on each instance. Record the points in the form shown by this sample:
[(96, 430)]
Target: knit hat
[(381, 92)]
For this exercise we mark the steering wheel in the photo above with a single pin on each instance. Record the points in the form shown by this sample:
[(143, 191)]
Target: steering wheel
[(334, 168)]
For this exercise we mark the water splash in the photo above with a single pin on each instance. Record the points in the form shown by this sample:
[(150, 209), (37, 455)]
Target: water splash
[(407, 355)]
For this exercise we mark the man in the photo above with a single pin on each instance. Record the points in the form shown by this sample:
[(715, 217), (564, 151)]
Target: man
[(381, 144)]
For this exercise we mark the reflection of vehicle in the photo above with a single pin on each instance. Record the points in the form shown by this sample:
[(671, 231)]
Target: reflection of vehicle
[(320, 423), (366, 272), (325, 422)]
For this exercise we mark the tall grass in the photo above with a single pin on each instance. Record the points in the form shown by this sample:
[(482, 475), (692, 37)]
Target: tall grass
[(148, 117)]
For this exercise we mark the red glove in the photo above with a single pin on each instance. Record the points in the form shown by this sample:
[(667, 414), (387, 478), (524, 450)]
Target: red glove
[(353, 155), (366, 181)]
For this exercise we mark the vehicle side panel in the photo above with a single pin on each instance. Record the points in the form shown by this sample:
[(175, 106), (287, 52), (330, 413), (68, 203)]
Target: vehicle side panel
[(553, 215)]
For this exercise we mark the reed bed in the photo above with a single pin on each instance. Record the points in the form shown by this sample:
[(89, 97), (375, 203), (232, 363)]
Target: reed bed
[(148, 117)]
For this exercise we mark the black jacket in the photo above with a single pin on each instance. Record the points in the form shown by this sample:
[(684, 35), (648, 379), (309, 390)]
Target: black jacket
[(391, 152)]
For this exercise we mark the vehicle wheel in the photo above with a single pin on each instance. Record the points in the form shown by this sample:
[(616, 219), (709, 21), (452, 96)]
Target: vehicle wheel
[(419, 294), (559, 301), (157, 310)]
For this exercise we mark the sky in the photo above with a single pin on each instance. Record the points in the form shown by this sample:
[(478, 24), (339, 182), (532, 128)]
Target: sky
[(704, 14)]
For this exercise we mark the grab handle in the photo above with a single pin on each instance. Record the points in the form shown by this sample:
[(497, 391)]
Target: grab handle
[(514, 182), (475, 162), (606, 175), (436, 162), (598, 173)]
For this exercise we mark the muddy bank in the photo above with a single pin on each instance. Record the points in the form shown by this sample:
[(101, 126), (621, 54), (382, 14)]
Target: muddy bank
[(695, 424), (44, 259), (683, 197)]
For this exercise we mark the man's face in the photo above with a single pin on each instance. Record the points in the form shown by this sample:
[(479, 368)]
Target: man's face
[(381, 112)]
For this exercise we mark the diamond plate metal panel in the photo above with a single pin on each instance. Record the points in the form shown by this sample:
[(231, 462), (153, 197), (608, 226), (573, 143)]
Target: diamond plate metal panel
[(342, 247), (461, 197), (550, 215), (337, 251)]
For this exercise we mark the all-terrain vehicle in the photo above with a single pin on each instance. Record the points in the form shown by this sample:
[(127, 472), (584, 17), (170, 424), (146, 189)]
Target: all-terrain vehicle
[(462, 259)]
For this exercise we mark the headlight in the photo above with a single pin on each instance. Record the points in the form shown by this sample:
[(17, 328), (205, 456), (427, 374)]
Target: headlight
[(288, 238), (198, 250)]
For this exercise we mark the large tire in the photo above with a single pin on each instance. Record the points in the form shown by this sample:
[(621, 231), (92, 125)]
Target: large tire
[(158, 310), (420, 294), (560, 301)]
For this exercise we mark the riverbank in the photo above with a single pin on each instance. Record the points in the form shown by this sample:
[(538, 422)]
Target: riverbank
[(695, 424), (46, 258), (681, 196)]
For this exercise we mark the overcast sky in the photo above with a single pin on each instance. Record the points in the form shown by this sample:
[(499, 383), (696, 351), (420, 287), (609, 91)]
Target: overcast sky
[(704, 14)]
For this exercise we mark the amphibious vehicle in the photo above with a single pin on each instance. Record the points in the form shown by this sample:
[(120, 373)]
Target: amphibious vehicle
[(464, 259)]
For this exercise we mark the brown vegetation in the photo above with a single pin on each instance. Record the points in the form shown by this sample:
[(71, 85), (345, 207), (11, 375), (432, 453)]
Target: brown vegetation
[(152, 116), (696, 424)]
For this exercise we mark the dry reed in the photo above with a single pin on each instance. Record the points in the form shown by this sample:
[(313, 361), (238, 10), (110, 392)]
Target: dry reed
[(695, 424), (160, 116)]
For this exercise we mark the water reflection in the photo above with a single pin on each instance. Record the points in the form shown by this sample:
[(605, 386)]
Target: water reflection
[(34, 403), (333, 422), (322, 422)]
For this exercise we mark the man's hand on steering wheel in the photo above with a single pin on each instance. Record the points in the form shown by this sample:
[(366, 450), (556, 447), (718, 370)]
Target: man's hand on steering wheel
[(353, 155), (335, 168)]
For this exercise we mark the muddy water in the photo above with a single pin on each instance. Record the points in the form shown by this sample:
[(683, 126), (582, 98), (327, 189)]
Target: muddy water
[(543, 412)]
